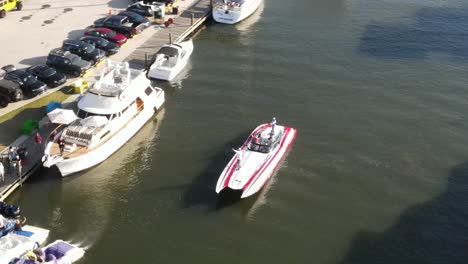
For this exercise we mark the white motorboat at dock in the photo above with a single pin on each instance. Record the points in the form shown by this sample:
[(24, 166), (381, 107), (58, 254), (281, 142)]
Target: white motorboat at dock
[(255, 161), (109, 114), (233, 11), (170, 60)]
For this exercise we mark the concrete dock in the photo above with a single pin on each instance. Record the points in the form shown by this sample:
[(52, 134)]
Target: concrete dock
[(192, 15)]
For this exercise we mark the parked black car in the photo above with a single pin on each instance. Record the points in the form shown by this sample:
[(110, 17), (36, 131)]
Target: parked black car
[(28, 83), (109, 47), (120, 24), (141, 9), (135, 18), (66, 62), (48, 75), (84, 50), (9, 92)]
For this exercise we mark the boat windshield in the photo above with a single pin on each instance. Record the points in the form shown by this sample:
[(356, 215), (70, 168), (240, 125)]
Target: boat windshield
[(259, 148), (168, 51), (83, 114)]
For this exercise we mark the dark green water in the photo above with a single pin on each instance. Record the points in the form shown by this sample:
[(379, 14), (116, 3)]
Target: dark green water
[(377, 174)]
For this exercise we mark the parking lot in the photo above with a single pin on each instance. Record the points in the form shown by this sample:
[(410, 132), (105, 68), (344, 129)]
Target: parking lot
[(28, 35)]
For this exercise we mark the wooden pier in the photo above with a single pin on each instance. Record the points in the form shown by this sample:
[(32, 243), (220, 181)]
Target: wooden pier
[(183, 26)]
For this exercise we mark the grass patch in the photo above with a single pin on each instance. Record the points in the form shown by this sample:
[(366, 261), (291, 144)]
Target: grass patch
[(11, 123)]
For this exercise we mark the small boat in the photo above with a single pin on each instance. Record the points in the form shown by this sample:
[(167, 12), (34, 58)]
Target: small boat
[(58, 252), (17, 242), (255, 161), (109, 114), (233, 11), (170, 60)]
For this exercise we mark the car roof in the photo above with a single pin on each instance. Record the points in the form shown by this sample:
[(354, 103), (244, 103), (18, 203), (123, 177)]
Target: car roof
[(62, 53), (20, 73), (74, 42), (117, 17), (101, 29), (90, 37), (130, 14), (41, 67)]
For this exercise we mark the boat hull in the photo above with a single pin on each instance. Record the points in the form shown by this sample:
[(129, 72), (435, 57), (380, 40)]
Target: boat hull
[(168, 74), (222, 14), (104, 151), (258, 168)]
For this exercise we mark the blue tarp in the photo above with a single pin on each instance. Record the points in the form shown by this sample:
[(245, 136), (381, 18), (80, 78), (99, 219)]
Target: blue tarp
[(52, 105)]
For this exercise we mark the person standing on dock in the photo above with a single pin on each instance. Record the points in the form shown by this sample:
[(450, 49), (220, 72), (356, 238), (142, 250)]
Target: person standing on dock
[(12, 158), (61, 144), (38, 140)]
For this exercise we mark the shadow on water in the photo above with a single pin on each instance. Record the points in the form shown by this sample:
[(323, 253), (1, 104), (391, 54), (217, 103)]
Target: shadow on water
[(430, 233), (434, 30), (201, 192)]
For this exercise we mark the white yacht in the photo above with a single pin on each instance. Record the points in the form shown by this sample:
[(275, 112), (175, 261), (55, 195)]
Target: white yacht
[(109, 114), (170, 60), (233, 11)]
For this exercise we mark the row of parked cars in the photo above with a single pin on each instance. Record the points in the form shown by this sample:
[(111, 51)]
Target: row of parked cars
[(75, 57)]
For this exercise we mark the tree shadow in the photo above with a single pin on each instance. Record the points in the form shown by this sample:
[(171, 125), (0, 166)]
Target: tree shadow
[(434, 232), (121, 4), (201, 192), (75, 34), (11, 128), (34, 61), (434, 30)]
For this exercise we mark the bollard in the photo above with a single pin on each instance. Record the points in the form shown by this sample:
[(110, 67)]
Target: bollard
[(170, 38), (191, 19)]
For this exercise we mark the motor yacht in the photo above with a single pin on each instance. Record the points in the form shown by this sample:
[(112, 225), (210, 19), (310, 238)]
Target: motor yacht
[(170, 60), (255, 161), (109, 114), (233, 11)]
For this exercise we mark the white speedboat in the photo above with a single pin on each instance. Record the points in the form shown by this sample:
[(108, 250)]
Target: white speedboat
[(58, 252), (233, 11), (110, 113), (170, 60), (17, 242), (255, 161)]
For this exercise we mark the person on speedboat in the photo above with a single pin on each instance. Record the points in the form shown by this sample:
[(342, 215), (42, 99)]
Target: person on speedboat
[(273, 124)]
